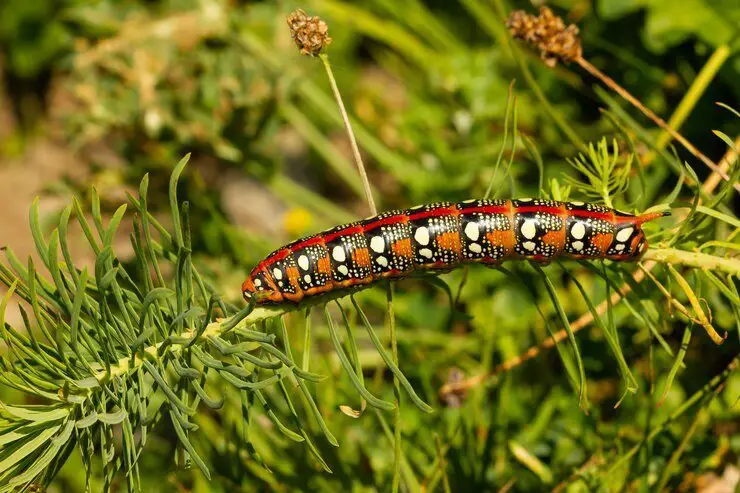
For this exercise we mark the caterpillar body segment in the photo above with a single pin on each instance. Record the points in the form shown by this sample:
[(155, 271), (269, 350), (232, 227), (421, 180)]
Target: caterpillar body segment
[(442, 236)]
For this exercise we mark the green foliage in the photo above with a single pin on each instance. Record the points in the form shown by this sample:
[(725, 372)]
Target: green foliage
[(670, 23), (146, 371), (33, 35), (605, 176)]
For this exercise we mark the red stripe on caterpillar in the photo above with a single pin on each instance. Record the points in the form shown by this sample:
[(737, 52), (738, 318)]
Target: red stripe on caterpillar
[(442, 236)]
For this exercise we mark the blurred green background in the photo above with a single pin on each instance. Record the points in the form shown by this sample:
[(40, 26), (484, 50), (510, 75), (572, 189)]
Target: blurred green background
[(100, 93)]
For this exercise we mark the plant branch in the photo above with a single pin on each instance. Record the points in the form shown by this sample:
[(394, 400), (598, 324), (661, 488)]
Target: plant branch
[(697, 260), (126, 365)]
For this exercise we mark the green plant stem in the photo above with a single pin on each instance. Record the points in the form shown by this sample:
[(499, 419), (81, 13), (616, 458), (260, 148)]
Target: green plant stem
[(442, 464), (531, 462), (353, 142), (694, 259), (411, 483), (693, 298), (396, 392), (583, 392), (676, 363), (306, 361)]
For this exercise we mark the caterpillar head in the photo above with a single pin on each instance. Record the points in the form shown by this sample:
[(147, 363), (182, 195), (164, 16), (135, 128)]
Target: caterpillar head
[(629, 241), (261, 287)]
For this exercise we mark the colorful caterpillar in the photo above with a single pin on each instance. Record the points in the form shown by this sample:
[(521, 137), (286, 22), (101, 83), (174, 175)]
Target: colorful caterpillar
[(441, 236)]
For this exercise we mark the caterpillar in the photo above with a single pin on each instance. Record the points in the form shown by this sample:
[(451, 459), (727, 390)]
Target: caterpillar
[(439, 237)]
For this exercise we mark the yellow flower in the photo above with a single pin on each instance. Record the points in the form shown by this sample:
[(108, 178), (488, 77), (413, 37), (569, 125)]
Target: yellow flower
[(297, 221)]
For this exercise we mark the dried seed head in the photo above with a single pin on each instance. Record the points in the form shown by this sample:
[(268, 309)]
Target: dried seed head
[(548, 33), (310, 33)]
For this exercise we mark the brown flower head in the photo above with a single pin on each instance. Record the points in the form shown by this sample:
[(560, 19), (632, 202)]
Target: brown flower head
[(310, 33), (548, 33)]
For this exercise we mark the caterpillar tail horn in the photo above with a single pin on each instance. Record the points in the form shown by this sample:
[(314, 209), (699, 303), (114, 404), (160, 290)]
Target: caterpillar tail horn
[(642, 219)]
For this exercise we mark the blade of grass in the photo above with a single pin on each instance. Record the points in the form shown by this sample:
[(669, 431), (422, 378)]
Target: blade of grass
[(410, 480), (353, 350), (389, 361), (677, 363), (306, 359), (531, 462), (610, 333), (347, 365), (583, 397), (696, 305), (396, 392)]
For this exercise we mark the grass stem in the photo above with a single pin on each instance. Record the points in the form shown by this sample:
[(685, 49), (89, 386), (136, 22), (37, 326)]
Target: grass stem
[(353, 142), (396, 392)]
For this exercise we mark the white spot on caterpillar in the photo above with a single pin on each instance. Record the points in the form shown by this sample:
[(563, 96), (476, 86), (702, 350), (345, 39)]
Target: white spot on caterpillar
[(529, 245), (277, 273), (577, 245), (382, 261), (303, 262), (472, 231), (338, 253), (425, 252), (422, 235), (529, 229), (377, 244), (624, 234), (343, 270), (475, 247), (578, 231)]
